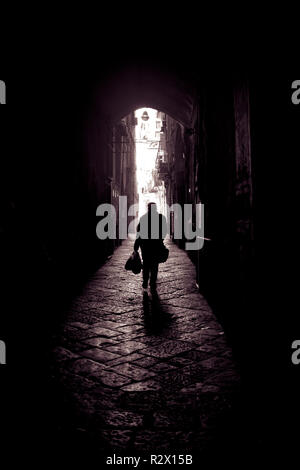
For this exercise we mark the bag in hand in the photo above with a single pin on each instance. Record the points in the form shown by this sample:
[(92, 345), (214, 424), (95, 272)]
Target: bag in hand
[(134, 263)]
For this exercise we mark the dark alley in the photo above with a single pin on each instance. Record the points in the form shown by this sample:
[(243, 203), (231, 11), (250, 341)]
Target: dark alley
[(98, 361)]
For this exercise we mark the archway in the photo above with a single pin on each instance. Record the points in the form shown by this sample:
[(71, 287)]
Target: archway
[(135, 87)]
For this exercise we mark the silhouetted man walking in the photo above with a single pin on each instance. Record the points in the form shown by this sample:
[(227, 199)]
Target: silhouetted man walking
[(151, 231)]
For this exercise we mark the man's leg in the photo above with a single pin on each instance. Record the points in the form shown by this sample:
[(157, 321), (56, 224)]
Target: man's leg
[(154, 271)]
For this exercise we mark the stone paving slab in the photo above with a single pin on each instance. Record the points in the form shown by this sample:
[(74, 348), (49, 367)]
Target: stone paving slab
[(144, 372)]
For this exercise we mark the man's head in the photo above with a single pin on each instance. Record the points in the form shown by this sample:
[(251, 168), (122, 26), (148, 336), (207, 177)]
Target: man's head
[(152, 207)]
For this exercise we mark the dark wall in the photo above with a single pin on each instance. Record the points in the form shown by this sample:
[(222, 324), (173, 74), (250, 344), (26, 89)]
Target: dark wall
[(217, 150), (275, 150)]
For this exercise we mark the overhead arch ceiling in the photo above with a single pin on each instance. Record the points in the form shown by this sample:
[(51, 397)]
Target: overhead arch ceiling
[(133, 87)]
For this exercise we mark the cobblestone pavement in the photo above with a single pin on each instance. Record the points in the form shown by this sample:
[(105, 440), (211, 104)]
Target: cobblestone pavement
[(141, 373)]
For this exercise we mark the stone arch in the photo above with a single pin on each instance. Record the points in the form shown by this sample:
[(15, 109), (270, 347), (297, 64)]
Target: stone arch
[(131, 88)]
